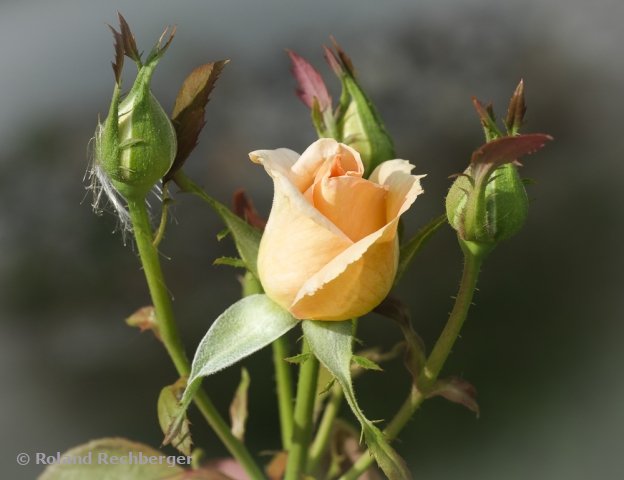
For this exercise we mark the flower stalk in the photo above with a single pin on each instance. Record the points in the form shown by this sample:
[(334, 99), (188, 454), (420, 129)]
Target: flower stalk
[(435, 361), (303, 422), (283, 378), (171, 338), (326, 426)]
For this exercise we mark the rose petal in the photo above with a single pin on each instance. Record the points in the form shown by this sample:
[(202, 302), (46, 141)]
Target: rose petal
[(356, 206), (308, 262), (280, 160), (309, 167), (402, 185), (352, 283), (360, 277), (298, 229)]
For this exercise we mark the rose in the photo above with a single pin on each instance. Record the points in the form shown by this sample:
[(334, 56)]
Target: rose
[(330, 247)]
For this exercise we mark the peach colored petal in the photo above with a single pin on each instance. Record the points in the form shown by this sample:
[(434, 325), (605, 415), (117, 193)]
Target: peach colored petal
[(352, 283), (281, 159), (313, 163), (298, 240), (330, 250), (402, 185), (356, 206)]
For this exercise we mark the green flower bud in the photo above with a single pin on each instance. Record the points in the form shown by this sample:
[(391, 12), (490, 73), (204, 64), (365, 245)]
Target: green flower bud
[(488, 215), (136, 145), (358, 123), (488, 202)]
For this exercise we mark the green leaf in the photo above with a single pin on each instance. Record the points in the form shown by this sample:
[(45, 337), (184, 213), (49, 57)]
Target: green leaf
[(246, 237), (222, 234), (331, 342), (416, 243), (98, 456), (238, 407), (366, 363), (168, 410), (247, 326), (230, 261), (299, 358)]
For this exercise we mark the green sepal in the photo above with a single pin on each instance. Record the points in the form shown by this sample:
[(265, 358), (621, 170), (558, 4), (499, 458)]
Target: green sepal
[(358, 123), (331, 343), (361, 127)]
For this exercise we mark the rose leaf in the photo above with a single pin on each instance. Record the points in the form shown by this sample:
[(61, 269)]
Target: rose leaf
[(244, 328), (331, 342), (168, 402)]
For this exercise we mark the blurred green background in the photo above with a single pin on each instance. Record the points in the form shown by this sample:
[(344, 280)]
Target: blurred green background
[(543, 344)]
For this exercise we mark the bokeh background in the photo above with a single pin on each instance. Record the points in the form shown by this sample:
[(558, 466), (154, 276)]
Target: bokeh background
[(543, 344)]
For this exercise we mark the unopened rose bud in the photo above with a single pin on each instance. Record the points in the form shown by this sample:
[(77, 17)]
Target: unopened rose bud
[(330, 247), (136, 144), (488, 202), (358, 123)]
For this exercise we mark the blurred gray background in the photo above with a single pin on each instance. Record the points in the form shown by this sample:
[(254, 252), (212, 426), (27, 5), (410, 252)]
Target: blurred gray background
[(543, 344)]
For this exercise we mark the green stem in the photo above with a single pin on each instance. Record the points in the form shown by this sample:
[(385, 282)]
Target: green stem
[(435, 361), (142, 230), (284, 390), (171, 338), (282, 370), (319, 445), (304, 408), (444, 345)]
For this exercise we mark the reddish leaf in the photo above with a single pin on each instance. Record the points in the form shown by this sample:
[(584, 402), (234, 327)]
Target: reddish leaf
[(516, 111), (332, 61), (488, 120), (505, 150), (244, 208), (119, 55), (398, 311), (277, 466), (345, 60), (144, 319), (129, 43), (310, 82), (189, 110), (457, 390)]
